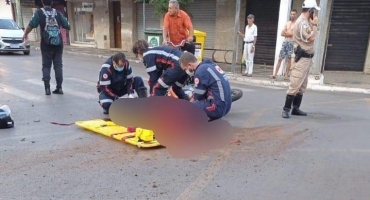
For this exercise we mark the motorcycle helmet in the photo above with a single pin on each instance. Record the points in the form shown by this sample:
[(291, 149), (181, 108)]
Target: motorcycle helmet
[(5, 120)]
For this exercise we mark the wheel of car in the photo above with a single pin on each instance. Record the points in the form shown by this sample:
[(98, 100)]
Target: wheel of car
[(26, 52)]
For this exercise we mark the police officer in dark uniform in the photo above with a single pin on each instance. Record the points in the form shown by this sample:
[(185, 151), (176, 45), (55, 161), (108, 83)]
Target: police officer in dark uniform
[(212, 90), (116, 80), (162, 65)]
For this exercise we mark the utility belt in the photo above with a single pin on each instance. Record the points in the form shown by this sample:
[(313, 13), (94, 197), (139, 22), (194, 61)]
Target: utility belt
[(249, 42), (299, 53)]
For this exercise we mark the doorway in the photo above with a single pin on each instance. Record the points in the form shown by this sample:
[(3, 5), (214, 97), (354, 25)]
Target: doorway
[(348, 36), (266, 14), (117, 24)]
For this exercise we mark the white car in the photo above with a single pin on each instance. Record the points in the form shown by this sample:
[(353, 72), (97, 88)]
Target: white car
[(11, 37)]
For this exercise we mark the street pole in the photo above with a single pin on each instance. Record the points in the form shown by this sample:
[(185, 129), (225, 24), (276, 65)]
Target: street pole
[(321, 37), (144, 16), (236, 29), (19, 13)]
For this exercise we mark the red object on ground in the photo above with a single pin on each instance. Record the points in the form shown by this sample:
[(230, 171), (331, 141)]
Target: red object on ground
[(131, 129)]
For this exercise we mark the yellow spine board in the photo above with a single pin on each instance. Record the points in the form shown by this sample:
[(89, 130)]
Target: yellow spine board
[(109, 129)]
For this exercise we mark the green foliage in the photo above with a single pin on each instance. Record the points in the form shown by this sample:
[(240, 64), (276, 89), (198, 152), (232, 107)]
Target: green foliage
[(161, 6)]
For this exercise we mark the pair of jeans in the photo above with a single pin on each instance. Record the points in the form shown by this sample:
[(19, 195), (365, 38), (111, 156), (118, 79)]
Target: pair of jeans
[(52, 57)]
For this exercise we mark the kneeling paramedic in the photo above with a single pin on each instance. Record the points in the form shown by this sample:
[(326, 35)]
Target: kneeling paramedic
[(116, 80), (162, 65), (212, 90)]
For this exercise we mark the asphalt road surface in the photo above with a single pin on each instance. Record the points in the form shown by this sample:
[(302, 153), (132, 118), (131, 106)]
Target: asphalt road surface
[(325, 155)]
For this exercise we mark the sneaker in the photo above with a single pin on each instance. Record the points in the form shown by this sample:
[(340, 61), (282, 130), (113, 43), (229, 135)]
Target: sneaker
[(58, 91), (106, 112)]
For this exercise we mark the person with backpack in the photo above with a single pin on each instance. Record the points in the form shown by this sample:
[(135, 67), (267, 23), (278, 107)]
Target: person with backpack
[(51, 44)]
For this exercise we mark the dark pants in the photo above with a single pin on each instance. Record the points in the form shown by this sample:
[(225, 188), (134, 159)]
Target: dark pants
[(137, 84), (189, 47), (212, 110), (175, 77), (105, 100), (55, 57)]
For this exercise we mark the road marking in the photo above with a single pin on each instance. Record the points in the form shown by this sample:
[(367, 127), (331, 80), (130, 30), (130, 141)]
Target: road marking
[(67, 91), (196, 187), (90, 83), (20, 93)]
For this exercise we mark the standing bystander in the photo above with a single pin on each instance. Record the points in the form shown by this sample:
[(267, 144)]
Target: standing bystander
[(304, 35), (250, 39), (51, 45), (288, 45), (177, 26)]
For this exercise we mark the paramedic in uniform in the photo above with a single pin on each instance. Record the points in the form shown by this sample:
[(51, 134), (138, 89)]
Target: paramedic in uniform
[(116, 80), (163, 68), (304, 34), (212, 90), (250, 39)]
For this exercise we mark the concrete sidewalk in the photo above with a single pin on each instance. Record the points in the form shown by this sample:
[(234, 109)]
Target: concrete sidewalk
[(356, 82)]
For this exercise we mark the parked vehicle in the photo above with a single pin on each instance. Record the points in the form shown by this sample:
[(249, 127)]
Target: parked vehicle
[(11, 37)]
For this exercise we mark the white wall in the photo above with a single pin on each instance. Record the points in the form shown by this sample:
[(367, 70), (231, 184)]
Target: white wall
[(5, 10)]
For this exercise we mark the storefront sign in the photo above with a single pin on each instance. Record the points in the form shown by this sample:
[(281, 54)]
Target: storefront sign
[(87, 7)]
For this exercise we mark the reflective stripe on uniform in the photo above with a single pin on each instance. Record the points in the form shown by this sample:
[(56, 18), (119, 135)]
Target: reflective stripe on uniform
[(160, 81), (105, 82), (220, 88), (151, 69), (179, 84), (199, 91), (130, 76), (106, 101), (105, 65), (161, 52)]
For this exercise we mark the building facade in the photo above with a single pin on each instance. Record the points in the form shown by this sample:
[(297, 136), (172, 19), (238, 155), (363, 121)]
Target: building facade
[(343, 41)]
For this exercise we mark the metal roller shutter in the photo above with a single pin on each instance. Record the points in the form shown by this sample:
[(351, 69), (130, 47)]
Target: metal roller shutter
[(266, 14), (151, 20), (348, 35), (203, 14)]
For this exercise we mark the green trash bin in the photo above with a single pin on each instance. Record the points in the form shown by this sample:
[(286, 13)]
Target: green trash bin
[(154, 36)]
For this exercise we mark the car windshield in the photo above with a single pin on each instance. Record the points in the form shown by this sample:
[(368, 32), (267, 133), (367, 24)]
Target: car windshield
[(8, 24)]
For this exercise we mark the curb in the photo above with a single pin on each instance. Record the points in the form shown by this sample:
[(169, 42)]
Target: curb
[(237, 78), (312, 86), (90, 54)]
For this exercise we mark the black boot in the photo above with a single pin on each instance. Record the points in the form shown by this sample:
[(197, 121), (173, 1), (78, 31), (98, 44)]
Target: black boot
[(47, 88), (287, 106), (296, 104), (142, 93), (58, 91)]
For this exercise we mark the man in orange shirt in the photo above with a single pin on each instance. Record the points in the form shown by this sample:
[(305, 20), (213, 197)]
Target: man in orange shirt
[(177, 26)]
